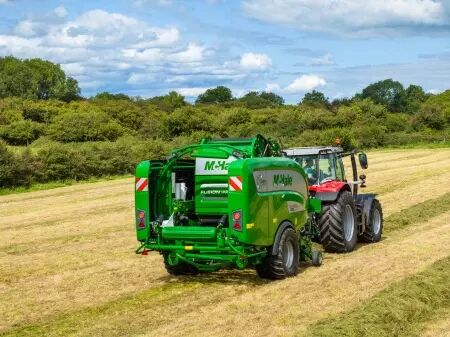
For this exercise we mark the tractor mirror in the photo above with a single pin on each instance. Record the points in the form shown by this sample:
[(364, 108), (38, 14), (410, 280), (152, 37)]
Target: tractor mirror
[(363, 160)]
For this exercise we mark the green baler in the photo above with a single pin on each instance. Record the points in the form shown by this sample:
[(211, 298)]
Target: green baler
[(226, 203)]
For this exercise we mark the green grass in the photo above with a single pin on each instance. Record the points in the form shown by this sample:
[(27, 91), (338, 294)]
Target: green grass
[(56, 184), (402, 309), (418, 213)]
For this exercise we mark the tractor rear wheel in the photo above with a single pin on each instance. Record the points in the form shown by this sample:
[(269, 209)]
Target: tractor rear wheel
[(338, 226), (181, 268), (374, 228), (285, 262)]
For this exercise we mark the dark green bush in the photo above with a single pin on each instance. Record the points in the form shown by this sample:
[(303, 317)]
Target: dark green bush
[(84, 126), (22, 132)]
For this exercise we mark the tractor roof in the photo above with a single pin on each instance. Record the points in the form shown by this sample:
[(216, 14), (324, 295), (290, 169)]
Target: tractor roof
[(313, 150)]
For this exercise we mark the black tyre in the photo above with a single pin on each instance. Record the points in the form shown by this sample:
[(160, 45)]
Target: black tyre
[(181, 268), (316, 258), (285, 262), (374, 228), (338, 226)]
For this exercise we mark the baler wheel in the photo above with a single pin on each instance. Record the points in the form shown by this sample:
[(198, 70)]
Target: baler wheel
[(285, 262), (374, 227), (181, 268), (338, 225)]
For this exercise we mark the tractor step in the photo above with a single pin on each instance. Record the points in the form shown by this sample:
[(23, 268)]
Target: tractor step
[(189, 233)]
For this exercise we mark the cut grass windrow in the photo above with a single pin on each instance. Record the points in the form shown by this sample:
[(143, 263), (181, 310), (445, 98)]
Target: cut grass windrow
[(418, 213), (399, 310)]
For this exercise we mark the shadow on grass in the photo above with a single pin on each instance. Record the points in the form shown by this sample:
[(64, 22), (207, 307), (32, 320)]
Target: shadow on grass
[(226, 276)]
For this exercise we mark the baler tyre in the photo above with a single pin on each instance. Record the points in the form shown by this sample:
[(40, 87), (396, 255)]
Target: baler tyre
[(181, 268), (316, 258), (285, 262), (374, 228), (338, 226)]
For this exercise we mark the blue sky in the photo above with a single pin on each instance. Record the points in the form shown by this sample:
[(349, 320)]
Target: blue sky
[(149, 47)]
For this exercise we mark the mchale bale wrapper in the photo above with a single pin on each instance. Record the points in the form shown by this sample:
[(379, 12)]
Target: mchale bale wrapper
[(226, 203), (347, 216)]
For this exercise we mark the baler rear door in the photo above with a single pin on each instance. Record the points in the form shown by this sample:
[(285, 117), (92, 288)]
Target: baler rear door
[(211, 185)]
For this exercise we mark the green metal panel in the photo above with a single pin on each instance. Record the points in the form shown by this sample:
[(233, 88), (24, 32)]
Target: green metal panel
[(273, 191), (189, 233)]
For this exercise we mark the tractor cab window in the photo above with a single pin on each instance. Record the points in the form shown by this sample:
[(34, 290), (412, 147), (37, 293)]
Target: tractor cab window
[(309, 165), (340, 172), (327, 168)]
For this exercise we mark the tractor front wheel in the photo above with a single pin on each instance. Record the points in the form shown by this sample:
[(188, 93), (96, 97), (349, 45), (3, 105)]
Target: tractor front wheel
[(285, 262), (374, 228), (338, 226)]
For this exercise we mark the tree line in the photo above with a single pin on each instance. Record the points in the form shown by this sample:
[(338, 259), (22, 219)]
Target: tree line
[(49, 132)]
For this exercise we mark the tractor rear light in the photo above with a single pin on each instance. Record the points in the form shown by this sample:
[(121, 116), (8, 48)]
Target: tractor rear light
[(237, 220)]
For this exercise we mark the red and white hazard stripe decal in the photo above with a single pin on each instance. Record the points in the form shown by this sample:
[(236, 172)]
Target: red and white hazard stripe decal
[(235, 183), (141, 184)]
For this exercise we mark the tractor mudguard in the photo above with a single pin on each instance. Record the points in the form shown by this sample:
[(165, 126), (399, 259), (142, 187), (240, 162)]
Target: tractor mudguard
[(276, 242), (365, 202), (329, 191), (327, 196)]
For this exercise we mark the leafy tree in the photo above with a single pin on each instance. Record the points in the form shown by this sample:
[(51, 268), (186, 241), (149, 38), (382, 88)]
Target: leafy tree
[(35, 79), (272, 97), (434, 113), (259, 100), (219, 94), (169, 102), (396, 122), (389, 93), (415, 96), (315, 98), (109, 96)]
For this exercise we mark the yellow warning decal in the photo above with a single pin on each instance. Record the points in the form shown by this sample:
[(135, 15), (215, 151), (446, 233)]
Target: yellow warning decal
[(250, 225), (188, 247)]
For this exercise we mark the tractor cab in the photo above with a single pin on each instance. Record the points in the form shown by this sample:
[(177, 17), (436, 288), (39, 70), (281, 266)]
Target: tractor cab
[(347, 216), (325, 170)]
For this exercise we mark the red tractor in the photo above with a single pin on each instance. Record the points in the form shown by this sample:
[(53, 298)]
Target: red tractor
[(346, 217)]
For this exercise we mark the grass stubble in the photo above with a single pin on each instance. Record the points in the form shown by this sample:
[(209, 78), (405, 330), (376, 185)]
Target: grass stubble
[(67, 265)]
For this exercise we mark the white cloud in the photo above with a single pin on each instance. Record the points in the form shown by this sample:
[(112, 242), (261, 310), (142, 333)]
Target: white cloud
[(301, 84), (324, 60), (190, 92), (60, 12), (119, 51), (305, 83), (193, 53), (3, 2), (352, 17), (253, 61)]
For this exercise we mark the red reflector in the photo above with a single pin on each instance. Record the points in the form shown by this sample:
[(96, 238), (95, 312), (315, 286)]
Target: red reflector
[(141, 224), (237, 216), (237, 226), (141, 215)]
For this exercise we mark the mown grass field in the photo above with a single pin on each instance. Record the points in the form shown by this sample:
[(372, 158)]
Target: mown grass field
[(68, 268)]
